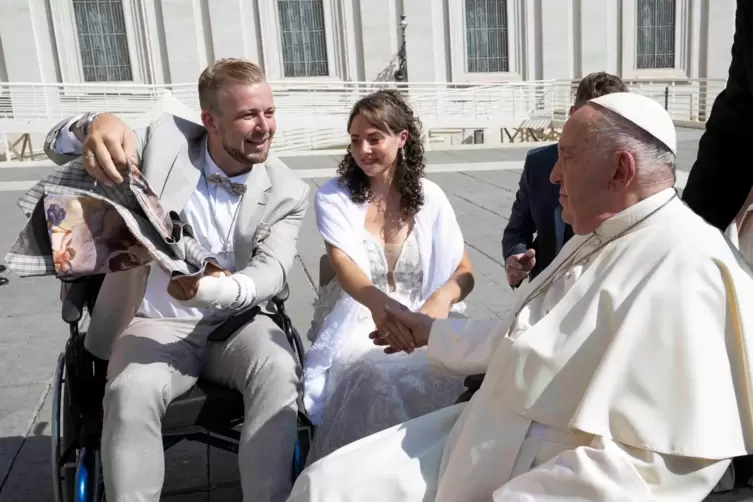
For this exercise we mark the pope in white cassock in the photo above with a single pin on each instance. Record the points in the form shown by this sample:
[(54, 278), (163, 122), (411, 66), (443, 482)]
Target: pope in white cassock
[(625, 372)]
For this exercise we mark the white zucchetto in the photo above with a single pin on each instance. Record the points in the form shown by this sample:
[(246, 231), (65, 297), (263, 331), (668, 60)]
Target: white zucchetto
[(643, 112)]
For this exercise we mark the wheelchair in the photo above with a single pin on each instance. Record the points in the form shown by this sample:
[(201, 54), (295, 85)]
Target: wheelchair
[(208, 413)]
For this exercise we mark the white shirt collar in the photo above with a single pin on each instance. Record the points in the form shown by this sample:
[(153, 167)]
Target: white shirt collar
[(633, 214), (211, 168)]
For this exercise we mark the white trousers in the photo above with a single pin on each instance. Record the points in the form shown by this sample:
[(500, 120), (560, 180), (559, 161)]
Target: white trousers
[(156, 360)]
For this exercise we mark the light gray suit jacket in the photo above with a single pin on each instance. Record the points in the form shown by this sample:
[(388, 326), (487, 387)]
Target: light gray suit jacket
[(171, 157)]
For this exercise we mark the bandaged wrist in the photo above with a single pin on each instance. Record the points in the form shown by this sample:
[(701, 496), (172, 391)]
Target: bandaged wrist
[(218, 292), (247, 291), (223, 292)]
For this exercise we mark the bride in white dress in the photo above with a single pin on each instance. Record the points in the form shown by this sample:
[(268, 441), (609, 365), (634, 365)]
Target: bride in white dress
[(394, 242)]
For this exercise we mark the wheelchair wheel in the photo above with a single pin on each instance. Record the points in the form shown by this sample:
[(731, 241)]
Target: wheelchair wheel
[(76, 472), (302, 444), (63, 454)]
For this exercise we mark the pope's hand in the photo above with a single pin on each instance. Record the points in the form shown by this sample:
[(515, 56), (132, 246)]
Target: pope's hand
[(418, 324)]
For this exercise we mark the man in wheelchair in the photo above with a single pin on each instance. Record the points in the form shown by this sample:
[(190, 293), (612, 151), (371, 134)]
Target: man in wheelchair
[(161, 335)]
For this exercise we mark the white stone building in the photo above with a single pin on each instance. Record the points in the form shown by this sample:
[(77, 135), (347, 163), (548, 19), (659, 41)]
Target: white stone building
[(171, 41)]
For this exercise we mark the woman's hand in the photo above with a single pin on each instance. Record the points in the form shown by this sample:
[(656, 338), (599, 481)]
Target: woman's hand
[(389, 327), (418, 324), (438, 305)]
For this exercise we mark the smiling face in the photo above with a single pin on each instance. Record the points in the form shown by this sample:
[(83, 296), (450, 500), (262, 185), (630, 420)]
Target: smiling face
[(584, 173), (241, 127), (375, 151)]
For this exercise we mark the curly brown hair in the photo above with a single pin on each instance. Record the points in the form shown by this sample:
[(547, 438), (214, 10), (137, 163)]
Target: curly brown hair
[(388, 111)]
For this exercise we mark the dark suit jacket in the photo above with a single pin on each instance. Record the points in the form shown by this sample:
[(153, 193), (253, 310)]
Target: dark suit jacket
[(722, 175), (537, 210)]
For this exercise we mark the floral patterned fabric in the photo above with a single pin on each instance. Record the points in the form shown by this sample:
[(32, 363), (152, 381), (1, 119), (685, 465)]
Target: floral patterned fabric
[(78, 228), (87, 235)]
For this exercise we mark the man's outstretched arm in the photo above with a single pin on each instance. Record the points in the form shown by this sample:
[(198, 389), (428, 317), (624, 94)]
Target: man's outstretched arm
[(463, 347), (722, 175), (606, 470)]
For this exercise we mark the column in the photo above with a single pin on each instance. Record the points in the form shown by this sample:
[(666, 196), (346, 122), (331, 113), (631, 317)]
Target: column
[(26, 41), (595, 29), (234, 33), (557, 45), (426, 41), (380, 36), (721, 28), (185, 40)]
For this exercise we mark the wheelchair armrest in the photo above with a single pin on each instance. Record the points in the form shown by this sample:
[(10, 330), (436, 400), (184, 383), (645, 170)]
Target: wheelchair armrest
[(80, 293), (74, 301), (282, 296)]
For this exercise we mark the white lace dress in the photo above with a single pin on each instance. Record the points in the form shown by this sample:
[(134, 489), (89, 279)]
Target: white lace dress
[(368, 390)]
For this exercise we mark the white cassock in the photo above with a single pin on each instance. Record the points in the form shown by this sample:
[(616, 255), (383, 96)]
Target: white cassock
[(626, 378)]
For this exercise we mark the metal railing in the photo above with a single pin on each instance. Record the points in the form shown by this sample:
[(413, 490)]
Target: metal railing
[(312, 115)]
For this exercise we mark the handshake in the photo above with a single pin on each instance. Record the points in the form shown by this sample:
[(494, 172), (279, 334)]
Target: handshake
[(400, 330)]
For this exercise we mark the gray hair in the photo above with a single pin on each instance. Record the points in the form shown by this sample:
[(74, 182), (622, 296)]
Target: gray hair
[(654, 160)]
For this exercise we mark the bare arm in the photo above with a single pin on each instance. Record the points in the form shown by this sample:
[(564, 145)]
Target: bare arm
[(353, 281), (460, 285)]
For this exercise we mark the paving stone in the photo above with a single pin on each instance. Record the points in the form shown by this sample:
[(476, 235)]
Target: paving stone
[(31, 478), (18, 407), (507, 180), (223, 467), (26, 173), (186, 467), (312, 162), (34, 363)]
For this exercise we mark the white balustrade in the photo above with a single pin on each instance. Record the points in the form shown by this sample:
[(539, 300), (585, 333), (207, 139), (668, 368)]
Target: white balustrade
[(312, 115)]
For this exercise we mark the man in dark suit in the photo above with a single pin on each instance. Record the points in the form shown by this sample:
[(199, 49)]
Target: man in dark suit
[(536, 209), (721, 177)]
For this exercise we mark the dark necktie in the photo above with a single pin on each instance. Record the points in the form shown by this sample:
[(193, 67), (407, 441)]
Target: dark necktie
[(236, 189)]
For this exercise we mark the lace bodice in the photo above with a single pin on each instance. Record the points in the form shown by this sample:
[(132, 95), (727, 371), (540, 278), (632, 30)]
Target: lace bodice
[(407, 278), (407, 275)]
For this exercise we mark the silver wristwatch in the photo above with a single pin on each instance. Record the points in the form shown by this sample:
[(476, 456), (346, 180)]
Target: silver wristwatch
[(81, 127)]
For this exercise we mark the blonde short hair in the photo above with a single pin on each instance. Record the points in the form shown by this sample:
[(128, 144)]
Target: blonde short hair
[(223, 72)]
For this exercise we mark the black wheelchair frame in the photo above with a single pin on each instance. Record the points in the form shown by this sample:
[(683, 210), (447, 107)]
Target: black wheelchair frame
[(208, 413)]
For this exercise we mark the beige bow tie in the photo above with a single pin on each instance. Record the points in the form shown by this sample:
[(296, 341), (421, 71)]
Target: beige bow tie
[(236, 189)]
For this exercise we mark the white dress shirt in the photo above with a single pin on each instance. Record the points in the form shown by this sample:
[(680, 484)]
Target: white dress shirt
[(211, 211)]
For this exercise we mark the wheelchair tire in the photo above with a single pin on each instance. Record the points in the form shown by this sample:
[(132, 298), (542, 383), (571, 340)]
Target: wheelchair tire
[(63, 469), (76, 472)]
